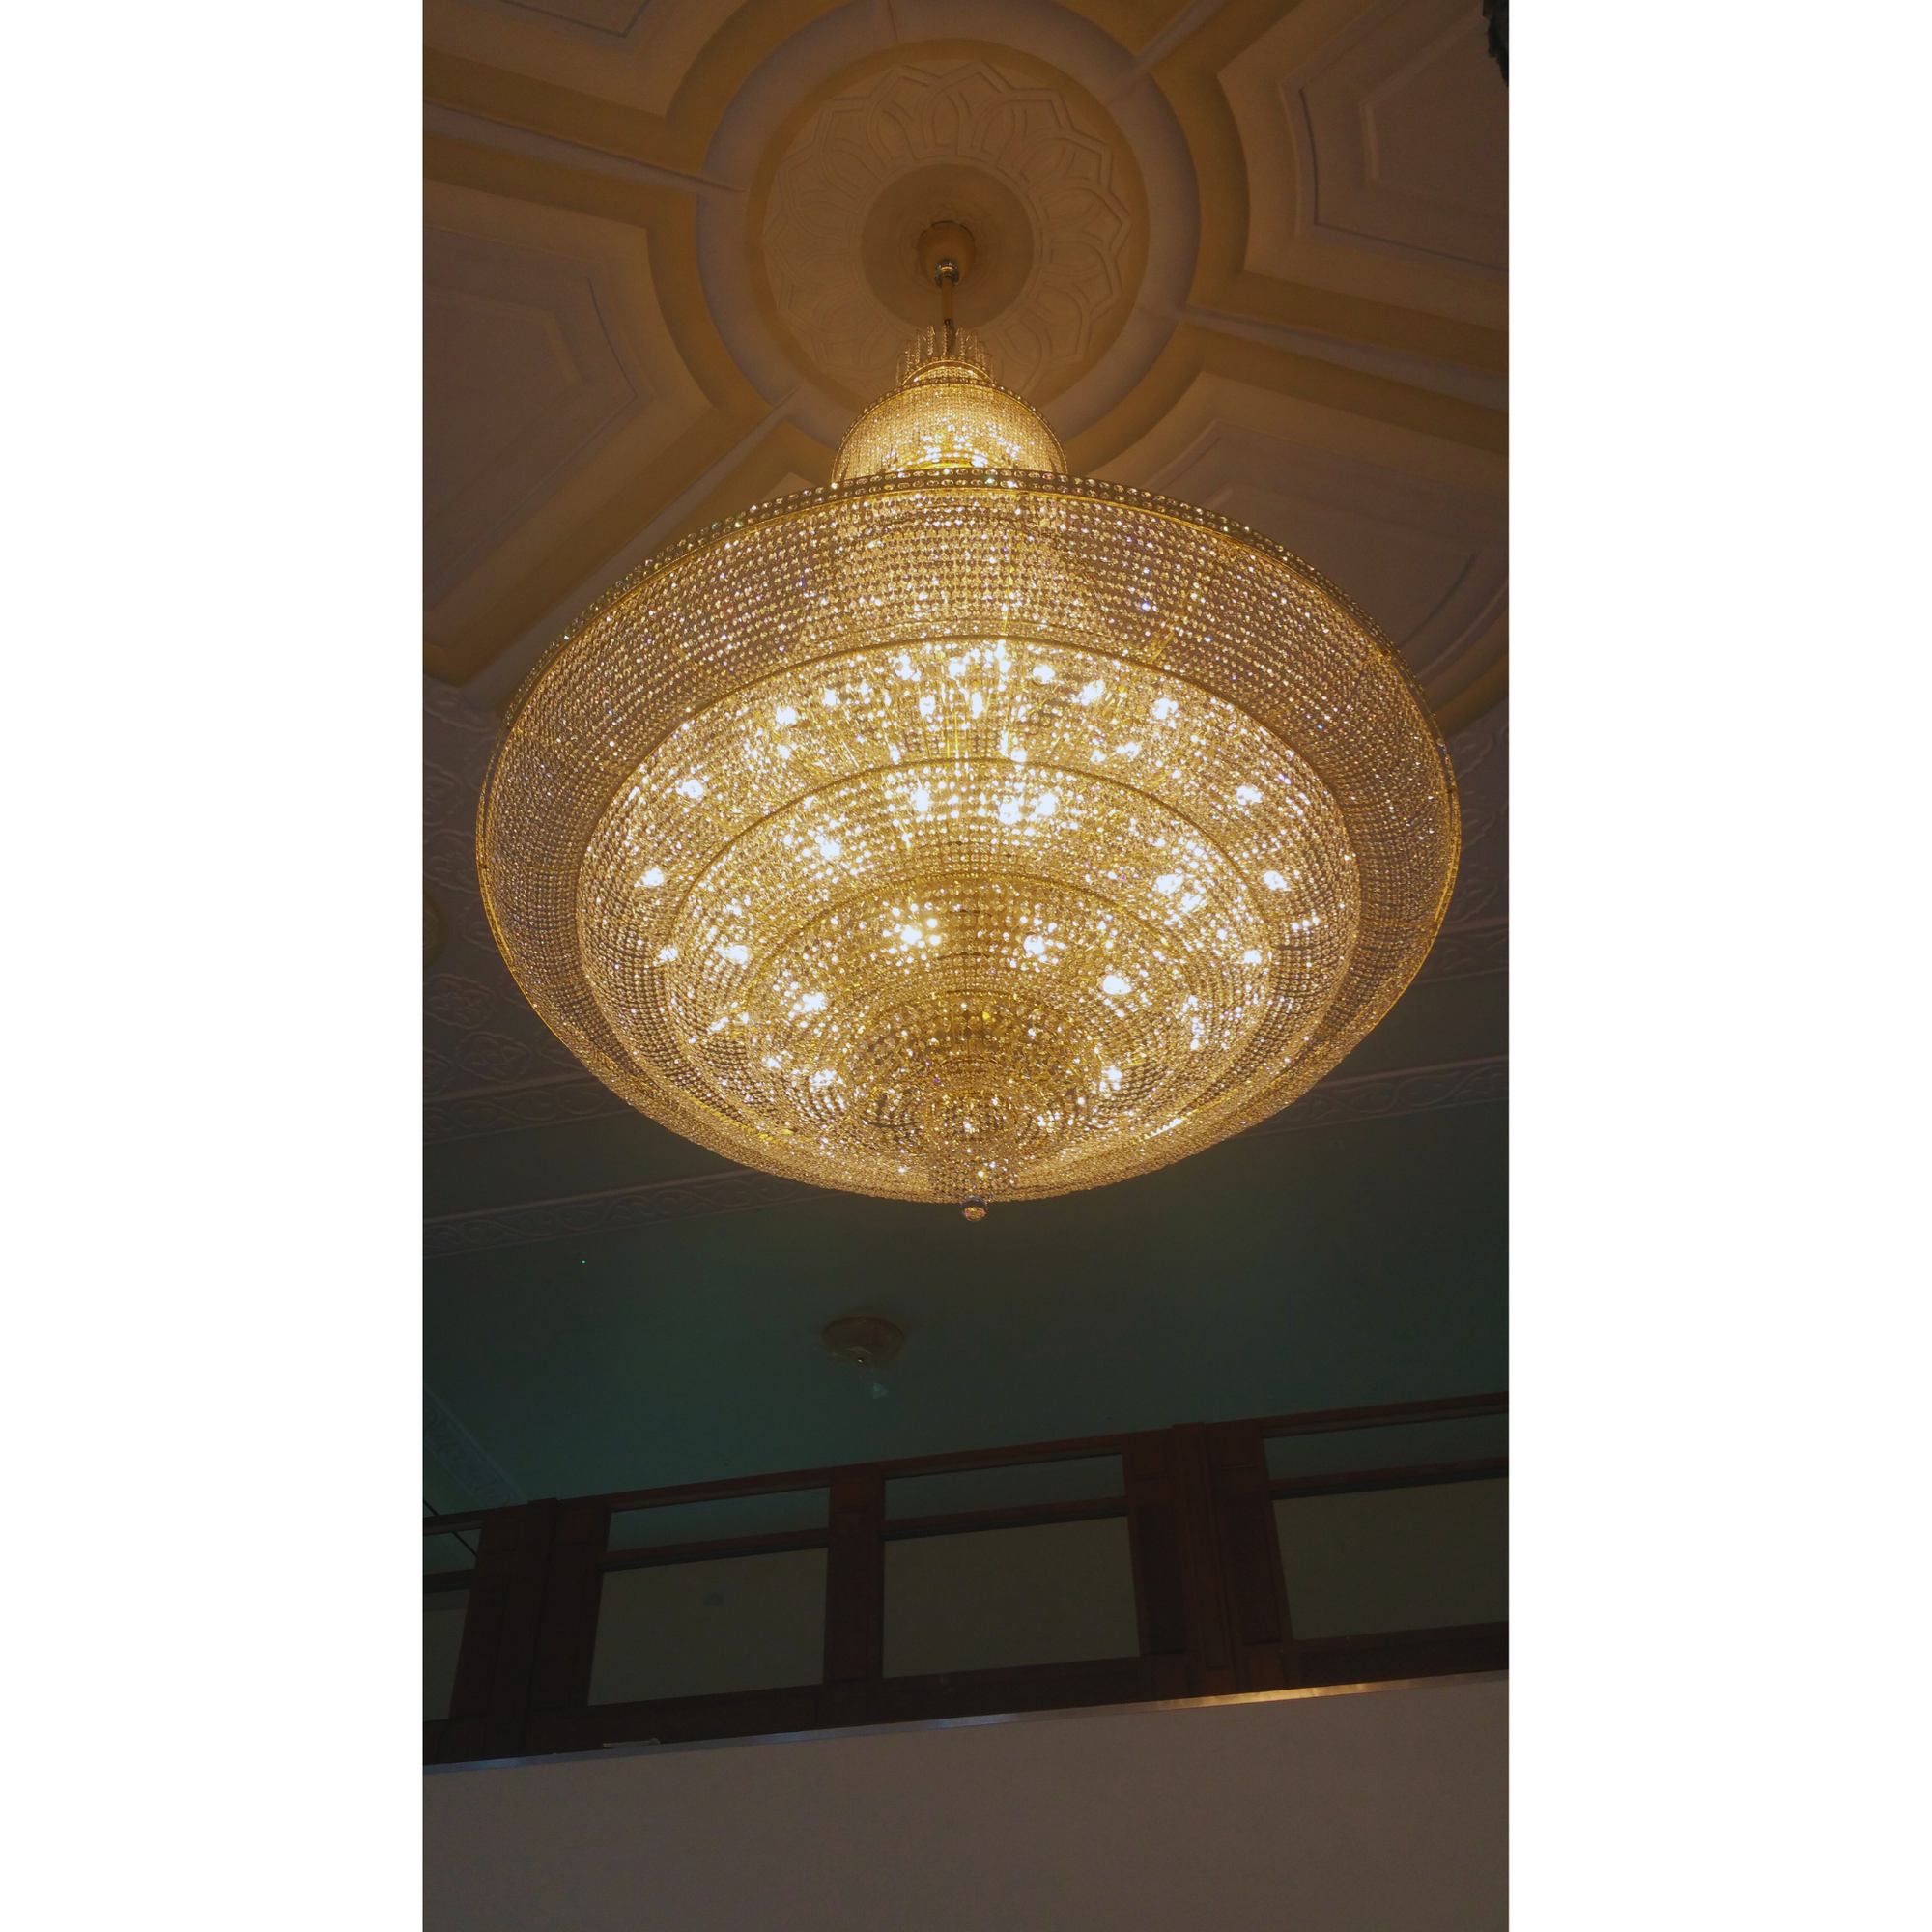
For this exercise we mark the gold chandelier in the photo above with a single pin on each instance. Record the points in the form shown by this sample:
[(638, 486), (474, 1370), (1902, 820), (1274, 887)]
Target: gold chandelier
[(966, 830)]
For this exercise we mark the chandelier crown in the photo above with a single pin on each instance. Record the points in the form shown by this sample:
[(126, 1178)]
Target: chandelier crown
[(945, 353), (947, 413)]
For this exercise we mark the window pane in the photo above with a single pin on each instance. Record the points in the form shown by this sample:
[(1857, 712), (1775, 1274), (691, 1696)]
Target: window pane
[(1400, 1445), (442, 1638), (666, 1524), (1396, 1559), (1011, 1488), (454, 1550), (1048, 1593), (736, 1622)]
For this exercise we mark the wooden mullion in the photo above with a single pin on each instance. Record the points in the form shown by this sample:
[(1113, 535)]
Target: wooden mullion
[(1215, 1671), (734, 1546), (1158, 1543), (489, 1701), (1446, 1408), (726, 1490), (1072, 1449), (1249, 1561), (1017, 1517), (1419, 1476), (567, 1635), (855, 1591)]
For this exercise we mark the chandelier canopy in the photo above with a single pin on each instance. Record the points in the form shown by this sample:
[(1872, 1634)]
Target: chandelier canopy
[(965, 830)]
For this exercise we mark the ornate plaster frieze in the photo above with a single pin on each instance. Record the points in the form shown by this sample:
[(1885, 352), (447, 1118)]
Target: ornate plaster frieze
[(462, 1457)]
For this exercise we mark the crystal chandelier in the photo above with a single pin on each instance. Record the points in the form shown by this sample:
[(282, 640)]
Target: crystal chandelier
[(966, 830)]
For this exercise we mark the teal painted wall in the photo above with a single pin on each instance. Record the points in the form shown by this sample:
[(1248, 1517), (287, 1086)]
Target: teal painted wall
[(1312, 1269)]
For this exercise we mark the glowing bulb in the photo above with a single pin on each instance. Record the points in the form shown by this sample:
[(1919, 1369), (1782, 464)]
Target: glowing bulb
[(1252, 956), (786, 715), (1113, 985), (926, 705), (1034, 946), (1046, 805), (654, 877), (1164, 708), (832, 700), (1274, 882), (738, 956), (828, 848), (1043, 673), (665, 954), (1248, 794), (691, 788), (921, 799), (1168, 882), (815, 1003), (1091, 694), (1009, 811)]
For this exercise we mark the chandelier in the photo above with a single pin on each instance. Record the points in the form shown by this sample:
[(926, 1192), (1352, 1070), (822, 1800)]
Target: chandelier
[(966, 831)]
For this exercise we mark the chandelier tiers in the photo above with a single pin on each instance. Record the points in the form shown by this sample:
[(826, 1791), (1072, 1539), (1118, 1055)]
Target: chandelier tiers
[(966, 831)]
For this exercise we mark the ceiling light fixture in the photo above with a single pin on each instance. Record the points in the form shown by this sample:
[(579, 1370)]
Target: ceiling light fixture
[(966, 831)]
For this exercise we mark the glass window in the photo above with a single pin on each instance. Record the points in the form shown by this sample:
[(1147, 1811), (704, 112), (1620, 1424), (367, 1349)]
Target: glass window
[(667, 1523), (442, 1638), (1374, 1560), (731, 1623), (452, 1550), (1011, 1488), (1048, 1593), (1398, 1445)]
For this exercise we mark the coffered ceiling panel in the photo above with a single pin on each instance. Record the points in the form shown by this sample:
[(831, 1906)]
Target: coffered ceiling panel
[(523, 379), (1376, 143), (1407, 135), (551, 381), (636, 51)]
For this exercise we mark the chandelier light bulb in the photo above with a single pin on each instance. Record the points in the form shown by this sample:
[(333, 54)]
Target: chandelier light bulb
[(966, 831)]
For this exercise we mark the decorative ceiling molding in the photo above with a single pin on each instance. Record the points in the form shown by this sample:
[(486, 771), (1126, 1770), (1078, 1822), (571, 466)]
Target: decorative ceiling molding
[(639, 239), (1377, 1096), (526, 374), (576, 1215), (463, 1459), (1370, 113), (648, 147), (1464, 952), (1336, 1101), (542, 1103)]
